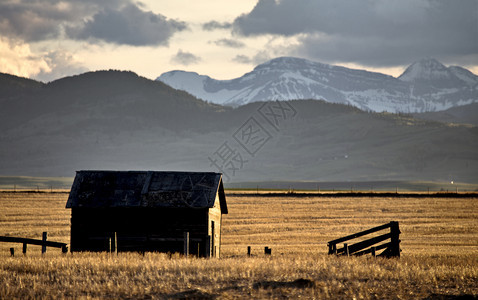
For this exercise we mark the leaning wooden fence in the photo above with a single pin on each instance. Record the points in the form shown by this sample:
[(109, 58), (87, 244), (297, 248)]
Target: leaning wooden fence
[(25, 241), (392, 248)]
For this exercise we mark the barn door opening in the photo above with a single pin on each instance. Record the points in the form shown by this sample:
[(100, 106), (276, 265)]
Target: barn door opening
[(213, 239)]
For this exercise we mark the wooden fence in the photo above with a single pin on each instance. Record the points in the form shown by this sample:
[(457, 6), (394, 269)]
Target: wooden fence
[(25, 241), (392, 248)]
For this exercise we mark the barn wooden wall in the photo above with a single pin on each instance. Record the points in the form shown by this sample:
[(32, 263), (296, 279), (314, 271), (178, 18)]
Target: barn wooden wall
[(141, 229), (215, 217)]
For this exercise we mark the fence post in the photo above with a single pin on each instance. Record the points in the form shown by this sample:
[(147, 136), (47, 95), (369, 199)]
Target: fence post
[(112, 245), (395, 239), (115, 244), (346, 249), (12, 252), (373, 252), (332, 249), (186, 244), (43, 246), (24, 250), (248, 251)]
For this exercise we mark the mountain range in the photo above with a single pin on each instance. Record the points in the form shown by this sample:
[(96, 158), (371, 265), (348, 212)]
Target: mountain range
[(425, 86), (118, 120)]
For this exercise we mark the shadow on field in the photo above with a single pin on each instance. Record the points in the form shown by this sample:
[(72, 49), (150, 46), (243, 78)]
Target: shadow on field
[(450, 297), (298, 283), (198, 294), (192, 294)]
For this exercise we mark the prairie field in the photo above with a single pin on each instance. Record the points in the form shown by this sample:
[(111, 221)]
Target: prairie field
[(439, 259)]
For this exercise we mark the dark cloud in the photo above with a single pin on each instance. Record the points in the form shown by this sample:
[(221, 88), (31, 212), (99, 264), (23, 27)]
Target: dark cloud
[(259, 58), (229, 43), (262, 57), (242, 59), (368, 32), (185, 58), (32, 20), (36, 20), (128, 25), (213, 25), (113, 21)]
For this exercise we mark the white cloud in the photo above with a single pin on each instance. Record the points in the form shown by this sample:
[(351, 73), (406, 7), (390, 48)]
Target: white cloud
[(16, 58), (61, 63)]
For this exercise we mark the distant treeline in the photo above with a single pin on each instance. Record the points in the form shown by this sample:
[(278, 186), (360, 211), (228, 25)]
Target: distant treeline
[(34, 183), (355, 186)]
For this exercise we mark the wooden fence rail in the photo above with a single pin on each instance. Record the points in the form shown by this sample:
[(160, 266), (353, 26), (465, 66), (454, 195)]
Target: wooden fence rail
[(43, 242), (392, 248)]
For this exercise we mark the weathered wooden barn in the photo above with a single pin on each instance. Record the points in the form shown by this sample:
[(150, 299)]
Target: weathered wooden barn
[(147, 211)]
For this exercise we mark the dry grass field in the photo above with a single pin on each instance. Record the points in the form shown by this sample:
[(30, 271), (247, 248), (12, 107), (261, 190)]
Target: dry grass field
[(439, 257)]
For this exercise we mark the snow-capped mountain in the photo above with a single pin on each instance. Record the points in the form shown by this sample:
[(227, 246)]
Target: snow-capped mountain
[(426, 85), (431, 72)]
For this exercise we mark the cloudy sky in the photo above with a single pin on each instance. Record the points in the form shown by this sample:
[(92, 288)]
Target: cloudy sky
[(49, 39)]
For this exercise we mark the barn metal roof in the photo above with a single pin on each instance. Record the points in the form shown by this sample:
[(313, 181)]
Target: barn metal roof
[(101, 189)]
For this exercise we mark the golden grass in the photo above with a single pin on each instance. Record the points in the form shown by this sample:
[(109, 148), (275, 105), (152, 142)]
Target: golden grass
[(295, 225), (439, 258), (29, 214), (156, 276)]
